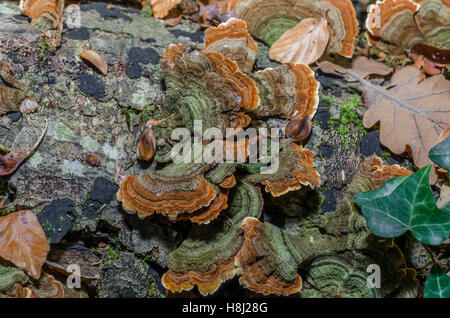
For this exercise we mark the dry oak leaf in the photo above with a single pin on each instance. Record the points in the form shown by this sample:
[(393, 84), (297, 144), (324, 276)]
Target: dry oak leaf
[(361, 65), (412, 113), (161, 8), (305, 43), (23, 242)]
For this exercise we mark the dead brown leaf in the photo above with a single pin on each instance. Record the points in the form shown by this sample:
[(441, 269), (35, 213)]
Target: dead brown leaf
[(365, 67), (23, 242), (361, 65), (444, 134), (25, 143), (95, 59), (305, 43), (426, 65), (412, 113)]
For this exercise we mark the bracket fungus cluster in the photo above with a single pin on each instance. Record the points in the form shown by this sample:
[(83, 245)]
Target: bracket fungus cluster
[(207, 257), (298, 31), (282, 24), (407, 23), (217, 87), (330, 251)]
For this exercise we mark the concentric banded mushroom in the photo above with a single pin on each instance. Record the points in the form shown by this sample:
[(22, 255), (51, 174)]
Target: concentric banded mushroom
[(207, 257), (267, 20)]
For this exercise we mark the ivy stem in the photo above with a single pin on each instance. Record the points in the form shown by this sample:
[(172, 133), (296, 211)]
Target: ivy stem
[(430, 253)]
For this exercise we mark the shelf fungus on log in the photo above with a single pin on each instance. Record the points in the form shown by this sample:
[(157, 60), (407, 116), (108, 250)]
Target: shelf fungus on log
[(46, 287), (23, 146), (172, 191), (209, 213), (288, 91), (202, 86), (296, 169), (406, 23), (50, 10), (268, 20), (207, 257), (161, 8), (234, 42), (9, 276), (345, 275), (331, 251), (265, 264), (210, 87)]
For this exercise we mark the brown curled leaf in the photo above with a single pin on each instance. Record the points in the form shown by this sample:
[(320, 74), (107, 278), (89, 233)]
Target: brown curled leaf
[(17, 97), (23, 242), (299, 129), (305, 43), (147, 144), (95, 59), (24, 144), (436, 55), (361, 65), (444, 134)]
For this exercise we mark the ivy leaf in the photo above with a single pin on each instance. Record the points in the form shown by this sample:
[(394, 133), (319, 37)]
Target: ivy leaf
[(406, 203), (437, 284), (366, 197), (440, 154)]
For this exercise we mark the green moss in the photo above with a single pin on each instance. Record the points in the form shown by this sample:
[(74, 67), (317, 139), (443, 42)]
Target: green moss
[(48, 226), (112, 254), (74, 226), (44, 49), (144, 256), (386, 155), (327, 101), (348, 116), (153, 292), (127, 113)]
